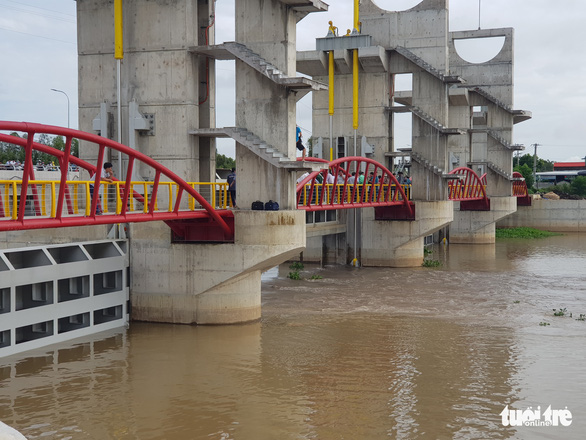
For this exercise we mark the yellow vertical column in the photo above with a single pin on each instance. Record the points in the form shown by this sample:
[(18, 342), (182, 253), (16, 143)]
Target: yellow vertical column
[(331, 95)]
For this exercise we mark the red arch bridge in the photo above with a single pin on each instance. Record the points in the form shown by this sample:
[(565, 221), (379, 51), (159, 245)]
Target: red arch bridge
[(194, 211)]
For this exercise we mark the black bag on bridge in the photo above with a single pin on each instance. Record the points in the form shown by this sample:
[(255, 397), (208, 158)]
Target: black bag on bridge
[(271, 206), (258, 206)]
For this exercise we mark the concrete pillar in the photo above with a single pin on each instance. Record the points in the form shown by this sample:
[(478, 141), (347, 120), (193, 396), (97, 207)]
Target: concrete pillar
[(479, 226), (400, 243), (210, 283), (157, 72), (268, 28)]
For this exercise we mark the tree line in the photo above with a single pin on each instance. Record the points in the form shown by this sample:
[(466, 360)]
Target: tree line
[(12, 152), (524, 165)]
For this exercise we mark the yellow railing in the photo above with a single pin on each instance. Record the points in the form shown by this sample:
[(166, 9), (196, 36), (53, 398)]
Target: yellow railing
[(42, 197), (334, 193)]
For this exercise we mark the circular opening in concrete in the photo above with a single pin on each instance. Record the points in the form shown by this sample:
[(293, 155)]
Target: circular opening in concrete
[(396, 5), (479, 50)]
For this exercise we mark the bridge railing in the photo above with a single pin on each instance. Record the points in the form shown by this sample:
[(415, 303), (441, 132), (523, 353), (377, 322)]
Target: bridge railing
[(469, 190), (314, 193), (520, 190), (468, 187), (129, 161), (519, 185), (43, 201), (350, 193)]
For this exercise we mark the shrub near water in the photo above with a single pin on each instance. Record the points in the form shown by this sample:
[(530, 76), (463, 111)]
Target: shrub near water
[(523, 233)]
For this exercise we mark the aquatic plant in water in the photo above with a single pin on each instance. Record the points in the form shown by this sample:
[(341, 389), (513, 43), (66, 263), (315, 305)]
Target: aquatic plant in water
[(294, 275), (523, 232)]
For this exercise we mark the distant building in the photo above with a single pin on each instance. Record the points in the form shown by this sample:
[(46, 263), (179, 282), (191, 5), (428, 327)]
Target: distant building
[(569, 166)]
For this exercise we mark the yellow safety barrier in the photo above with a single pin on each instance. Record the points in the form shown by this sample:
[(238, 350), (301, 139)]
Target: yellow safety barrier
[(42, 197), (353, 194)]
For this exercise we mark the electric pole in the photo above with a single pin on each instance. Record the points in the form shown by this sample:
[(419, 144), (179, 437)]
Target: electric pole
[(535, 165)]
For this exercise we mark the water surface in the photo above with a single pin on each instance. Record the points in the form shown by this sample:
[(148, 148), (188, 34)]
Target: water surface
[(369, 353)]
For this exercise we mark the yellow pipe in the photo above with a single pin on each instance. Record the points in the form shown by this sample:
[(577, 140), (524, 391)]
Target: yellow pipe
[(14, 200), (118, 48), (118, 198), (331, 81), (355, 90), (131, 199), (53, 200), (331, 90)]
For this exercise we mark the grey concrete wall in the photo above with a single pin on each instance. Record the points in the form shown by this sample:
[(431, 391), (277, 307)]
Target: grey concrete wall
[(422, 29), (478, 227), (157, 72), (550, 215), (265, 108), (400, 243), (495, 76), (210, 283)]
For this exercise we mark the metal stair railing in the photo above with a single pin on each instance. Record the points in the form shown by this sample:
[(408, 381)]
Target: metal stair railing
[(261, 65), (426, 66), (433, 122), (504, 142)]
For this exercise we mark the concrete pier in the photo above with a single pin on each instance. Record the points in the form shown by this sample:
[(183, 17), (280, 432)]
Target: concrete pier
[(400, 243), (210, 283), (477, 227)]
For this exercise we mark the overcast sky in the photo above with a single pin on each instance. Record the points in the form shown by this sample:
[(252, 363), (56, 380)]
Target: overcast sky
[(38, 44)]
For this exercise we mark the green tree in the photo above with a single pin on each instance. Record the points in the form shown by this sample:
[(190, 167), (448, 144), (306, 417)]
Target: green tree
[(578, 186), (527, 174), (541, 165), (223, 161)]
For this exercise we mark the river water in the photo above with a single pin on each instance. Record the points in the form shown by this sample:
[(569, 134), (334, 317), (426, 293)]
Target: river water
[(369, 353)]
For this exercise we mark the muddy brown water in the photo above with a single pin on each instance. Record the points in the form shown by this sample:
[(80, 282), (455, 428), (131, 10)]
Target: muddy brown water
[(369, 353)]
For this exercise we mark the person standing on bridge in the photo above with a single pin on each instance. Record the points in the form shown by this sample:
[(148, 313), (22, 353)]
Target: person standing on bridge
[(232, 186), (299, 143), (106, 175)]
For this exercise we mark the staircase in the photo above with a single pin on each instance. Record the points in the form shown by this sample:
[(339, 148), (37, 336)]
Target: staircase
[(490, 97), (451, 79), (499, 171), (502, 141), (433, 122), (254, 143), (234, 50), (432, 168)]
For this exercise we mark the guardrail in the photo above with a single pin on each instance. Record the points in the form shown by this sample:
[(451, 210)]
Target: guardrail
[(43, 199), (349, 193)]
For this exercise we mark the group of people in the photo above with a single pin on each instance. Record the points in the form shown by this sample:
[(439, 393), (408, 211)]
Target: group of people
[(13, 165), (372, 179)]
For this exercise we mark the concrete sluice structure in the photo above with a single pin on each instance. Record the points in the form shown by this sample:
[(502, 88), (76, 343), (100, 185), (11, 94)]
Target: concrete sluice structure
[(166, 109), (461, 115), (50, 294)]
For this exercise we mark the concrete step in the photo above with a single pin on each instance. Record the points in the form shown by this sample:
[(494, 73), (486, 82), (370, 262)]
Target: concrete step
[(259, 147), (261, 65)]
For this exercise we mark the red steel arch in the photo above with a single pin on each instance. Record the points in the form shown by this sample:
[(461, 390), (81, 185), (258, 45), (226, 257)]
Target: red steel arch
[(483, 180), (519, 186), (520, 190), (469, 190), (65, 159), (313, 195)]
